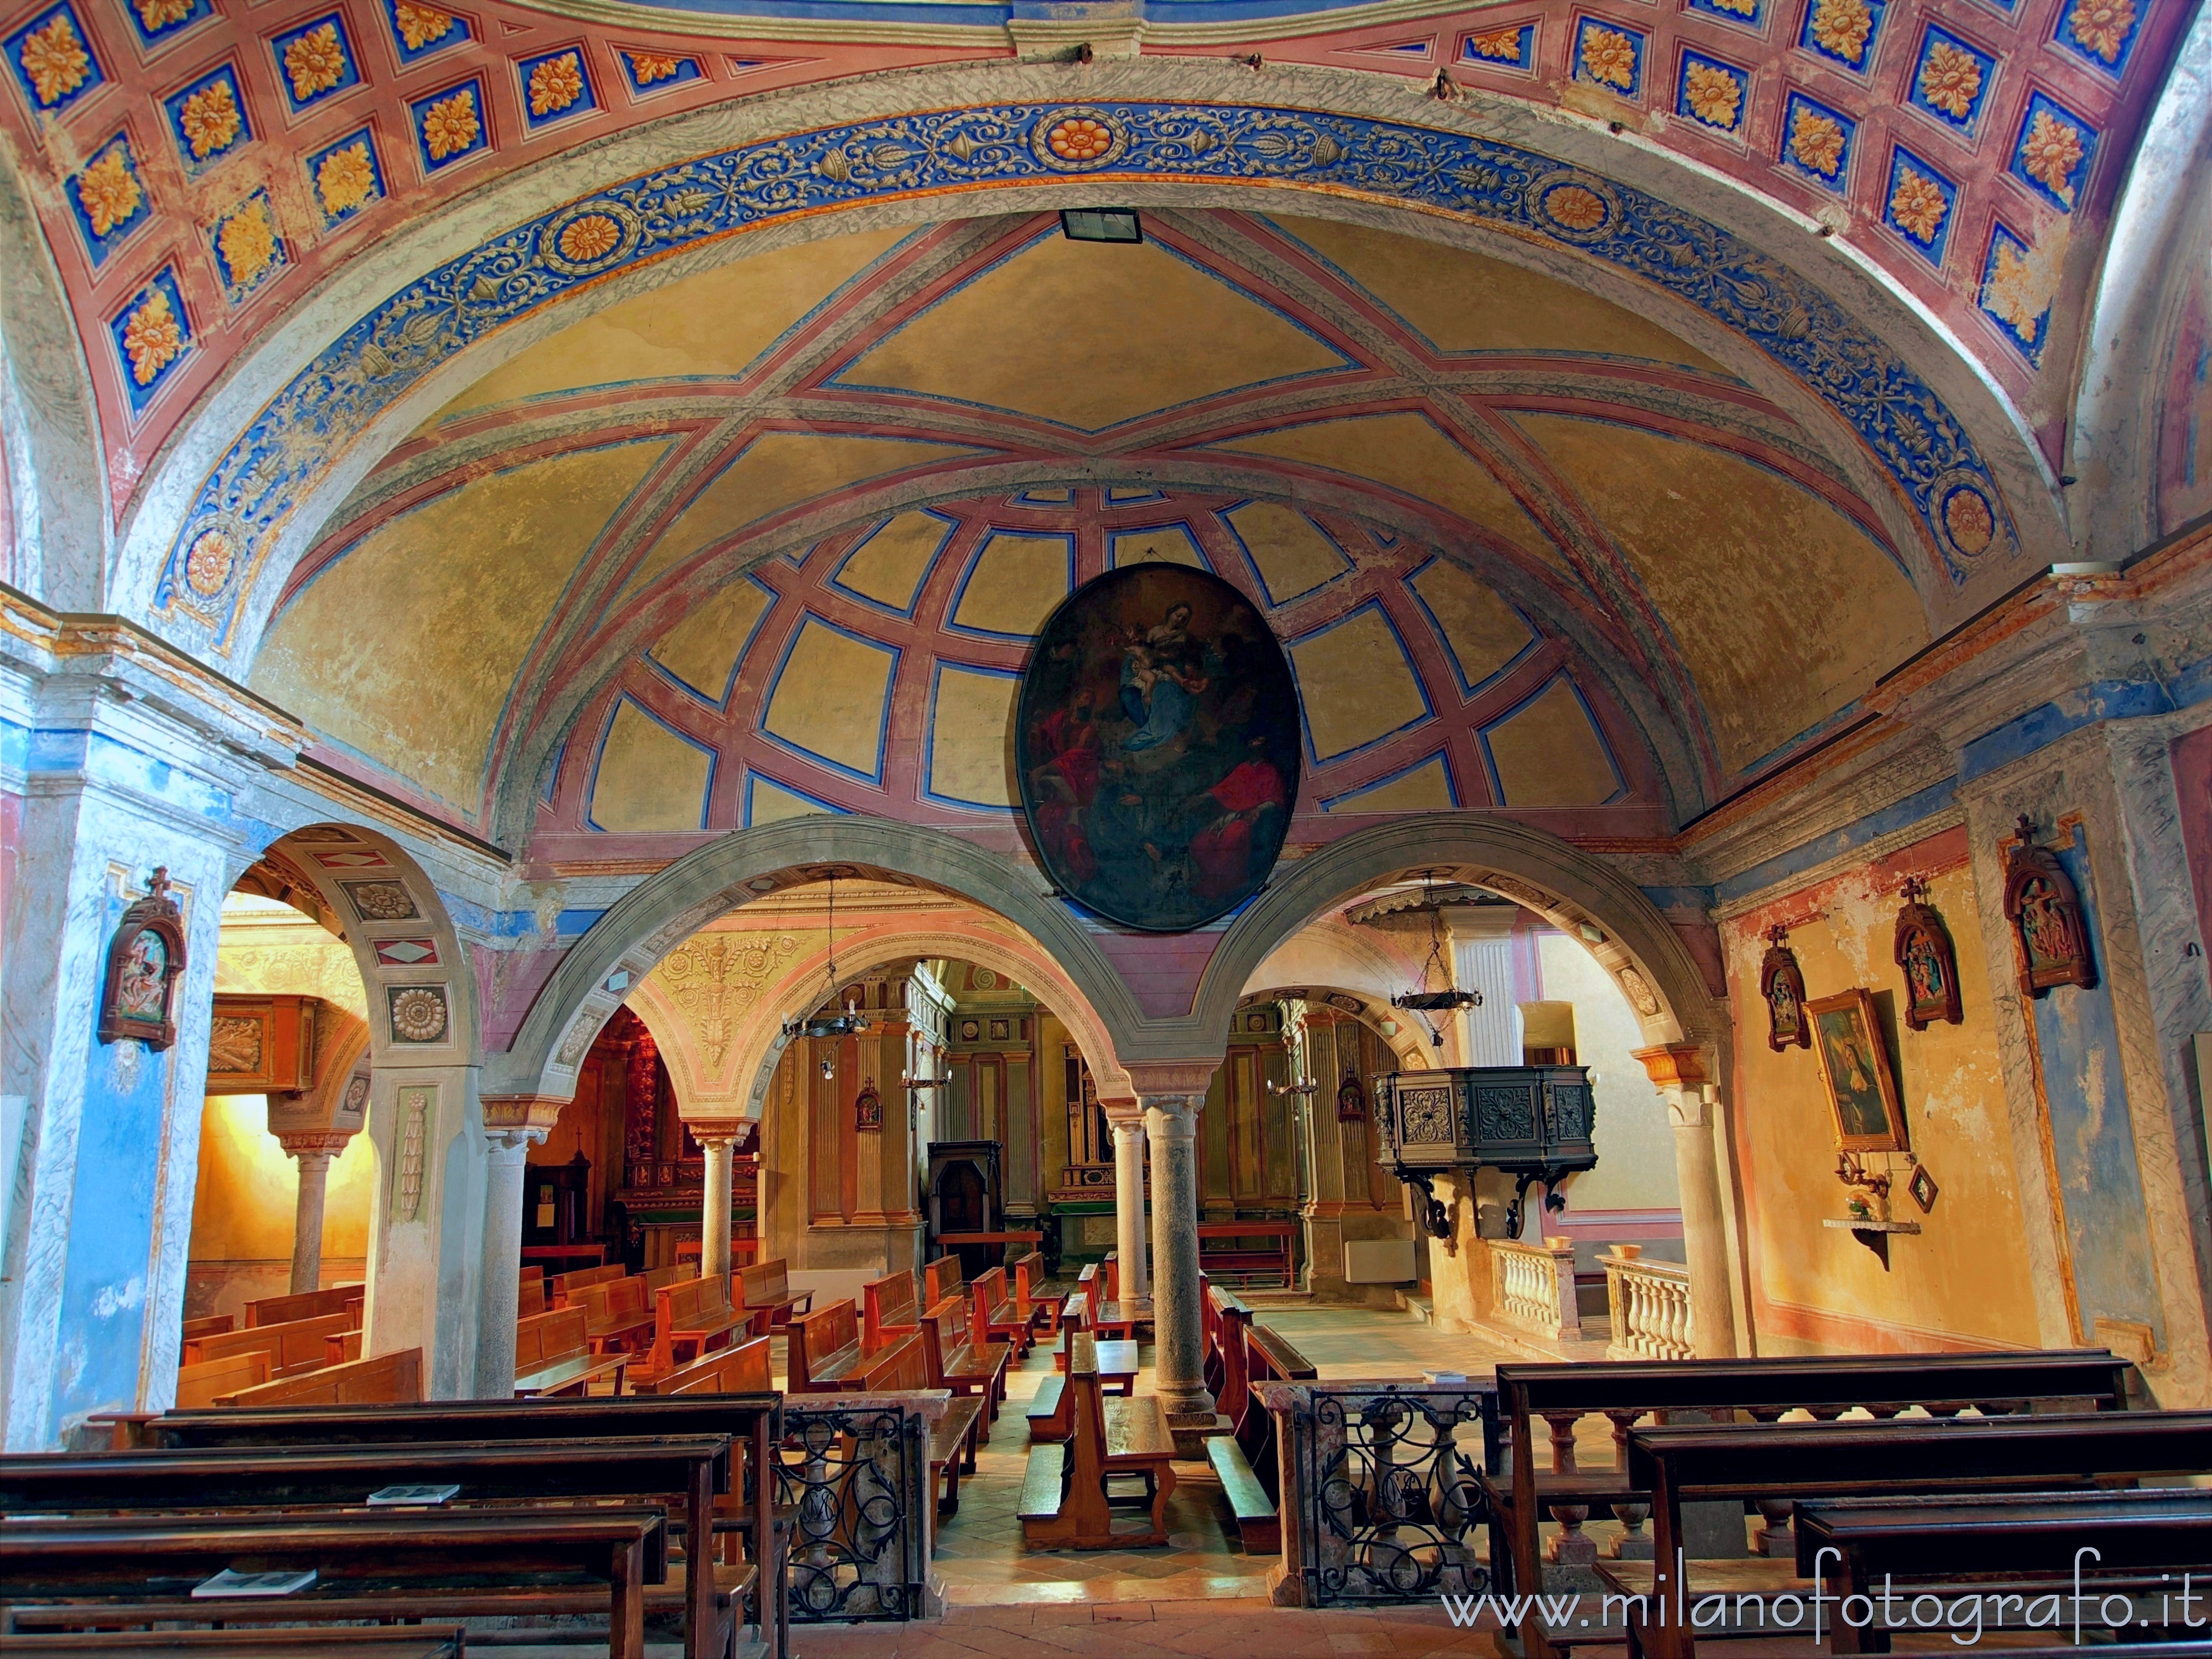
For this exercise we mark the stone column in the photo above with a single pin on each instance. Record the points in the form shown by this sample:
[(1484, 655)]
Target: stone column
[(1679, 1073), (512, 1127), (314, 1153), (1127, 1121), (1171, 1103), (718, 1143)]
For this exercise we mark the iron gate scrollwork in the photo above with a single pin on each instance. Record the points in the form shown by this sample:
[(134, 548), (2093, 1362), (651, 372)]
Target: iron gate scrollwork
[(856, 1477), (1392, 1504)]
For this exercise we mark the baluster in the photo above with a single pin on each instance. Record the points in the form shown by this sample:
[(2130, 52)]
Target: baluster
[(1561, 1427)]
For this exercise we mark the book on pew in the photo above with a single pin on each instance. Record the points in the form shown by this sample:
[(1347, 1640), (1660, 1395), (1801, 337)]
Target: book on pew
[(230, 1582), (412, 1496)]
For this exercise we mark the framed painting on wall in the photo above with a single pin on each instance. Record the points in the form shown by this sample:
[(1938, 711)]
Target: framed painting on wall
[(1854, 1064)]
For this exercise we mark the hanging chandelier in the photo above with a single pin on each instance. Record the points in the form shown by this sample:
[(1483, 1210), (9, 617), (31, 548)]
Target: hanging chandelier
[(1447, 999), (847, 1021)]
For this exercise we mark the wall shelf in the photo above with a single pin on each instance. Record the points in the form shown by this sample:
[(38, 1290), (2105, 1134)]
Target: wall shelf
[(1875, 1234)]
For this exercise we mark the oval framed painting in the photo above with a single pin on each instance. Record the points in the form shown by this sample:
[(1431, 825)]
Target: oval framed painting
[(1158, 748)]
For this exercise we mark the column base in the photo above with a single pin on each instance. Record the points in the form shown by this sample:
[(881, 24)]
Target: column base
[(1193, 1427)]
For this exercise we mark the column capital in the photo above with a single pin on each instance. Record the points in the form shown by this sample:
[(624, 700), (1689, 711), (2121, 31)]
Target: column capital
[(1123, 1110), (1171, 1116), (532, 1116), (1674, 1064), (717, 1134), (327, 1143), (1173, 1077)]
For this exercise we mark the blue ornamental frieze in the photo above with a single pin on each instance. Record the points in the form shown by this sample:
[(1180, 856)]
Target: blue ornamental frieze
[(1922, 444)]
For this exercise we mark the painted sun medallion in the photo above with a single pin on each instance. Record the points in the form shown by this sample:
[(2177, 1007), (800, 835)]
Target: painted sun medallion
[(1078, 140), (1156, 744)]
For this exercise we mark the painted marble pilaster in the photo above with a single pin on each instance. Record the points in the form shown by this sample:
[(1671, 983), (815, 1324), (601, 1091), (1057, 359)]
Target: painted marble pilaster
[(2113, 1199), (129, 760), (426, 1243), (1126, 1119), (1171, 1126), (1679, 1073), (1482, 960)]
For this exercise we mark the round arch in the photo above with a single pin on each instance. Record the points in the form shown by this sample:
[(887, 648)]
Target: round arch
[(1359, 1005), (1637, 944), (625, 945), (214, 477)]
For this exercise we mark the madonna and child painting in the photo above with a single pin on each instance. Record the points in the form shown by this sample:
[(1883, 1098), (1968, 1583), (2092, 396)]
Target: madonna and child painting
[(1156, 744)]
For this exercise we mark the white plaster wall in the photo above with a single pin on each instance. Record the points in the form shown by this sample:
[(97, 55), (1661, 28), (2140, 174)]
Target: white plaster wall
[(1635, 1144)]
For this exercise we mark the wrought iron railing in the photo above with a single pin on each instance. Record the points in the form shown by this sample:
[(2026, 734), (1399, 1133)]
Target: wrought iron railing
[(1379, 1498), (856, 1473)]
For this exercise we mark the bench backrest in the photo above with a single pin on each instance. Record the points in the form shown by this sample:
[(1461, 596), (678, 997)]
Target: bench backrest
[(943, 1277), (910, 1367), (1269, 1357), (692, 1303), (815, 1338), (547, 1338), (305, 1304), (1235, 1391), (660, 1279), (216, 1379), (1028, 1271), (888, 1302), (764, 1284), (565, 1286), (530, 1298), (385, 1379), (743, 1369), (613, 1299), (296, 1342), (213, 1325)]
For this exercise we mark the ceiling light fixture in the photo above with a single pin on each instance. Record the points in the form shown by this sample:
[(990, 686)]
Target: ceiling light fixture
[(849, 1020), (1101, 225), (1447, 1000)]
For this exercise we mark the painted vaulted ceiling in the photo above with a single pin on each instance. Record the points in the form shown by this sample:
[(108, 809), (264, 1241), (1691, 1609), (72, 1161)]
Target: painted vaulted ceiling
[(733, 549)]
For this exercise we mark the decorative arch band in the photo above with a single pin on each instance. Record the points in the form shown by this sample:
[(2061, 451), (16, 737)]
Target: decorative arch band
[(1922, 444)]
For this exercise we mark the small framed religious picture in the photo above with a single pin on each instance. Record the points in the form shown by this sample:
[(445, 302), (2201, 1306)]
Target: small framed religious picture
[(1781, 988), (868, 1109), (145, 960), (1350, 1098), (2046, 913), (1923, 950), (1855, 1064), (1923, 1188)]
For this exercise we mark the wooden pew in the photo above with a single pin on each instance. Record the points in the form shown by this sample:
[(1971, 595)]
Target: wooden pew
[(618, 1314), (1918, 1457), (1519, 1492), (1212, 1301), (1228, 1247), (951, 1438), (756, 1421), (826, 1356), (371, 1564), (1065, 1502), (385, 1379), (889, 1307), (1249, 1475), (425, 1641), (1105, 1314), (553, 1357), (691, 1316), (1031, 1301), (1052, 1410), (996, 1318), (764, 1292), (742, 1368), (568, 1284), (658, 1280), (307, 1304), (215, 1380), (294, 1345), (695, 1469), (213, 1325), (958, 1362), (942, 1278), (530, 1296)]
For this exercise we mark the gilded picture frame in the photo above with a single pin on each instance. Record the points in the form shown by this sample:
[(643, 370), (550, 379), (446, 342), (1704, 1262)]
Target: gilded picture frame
[(1855, 1066)]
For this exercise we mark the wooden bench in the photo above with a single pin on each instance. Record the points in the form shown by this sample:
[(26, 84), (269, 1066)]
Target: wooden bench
[(1249, 1251), (690, 1317), (618, 1315), (294, 1345), (1250, 1476), (658, 1280), (826, 1356), (741, 1368), (764, 1292), (695, 1469), (553, 1357), (423, 1643), (1031, 1301), (569, 1285), (385, 1379), (1212, 1301), (370, 1564), (1052, 1409), (942, 1278), (1905, 1457), (958, 1361), (1891, 1549), (996, 1318), (530, 1296), (1067, 1501), (889, 1307), (1519, 1492), (213, 1380), (1104, 1314), (307, 1304), (753, 1421), (953, 1437), (213, 1325)]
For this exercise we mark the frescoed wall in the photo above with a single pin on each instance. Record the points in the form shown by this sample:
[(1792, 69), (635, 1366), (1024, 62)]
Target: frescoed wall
[(1963, 1281)]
